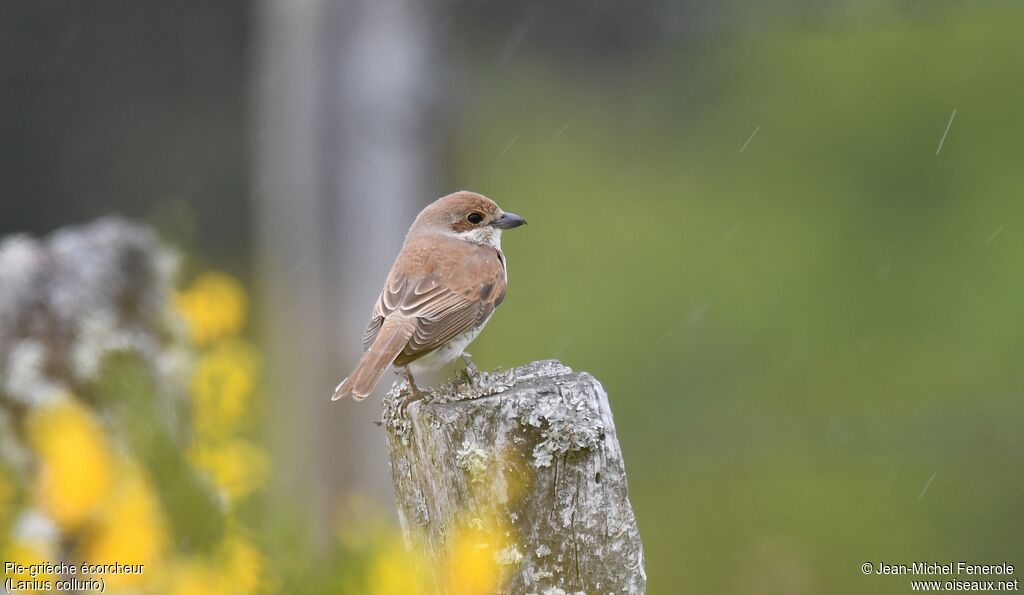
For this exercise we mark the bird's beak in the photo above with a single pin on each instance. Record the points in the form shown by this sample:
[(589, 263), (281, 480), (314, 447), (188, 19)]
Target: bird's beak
[(508, 221)]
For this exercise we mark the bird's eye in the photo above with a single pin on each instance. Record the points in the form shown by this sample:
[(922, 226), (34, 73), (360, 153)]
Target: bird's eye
[(475, 218)]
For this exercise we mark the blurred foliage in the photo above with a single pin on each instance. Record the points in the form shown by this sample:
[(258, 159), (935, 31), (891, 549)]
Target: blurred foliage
[(807, 318), (119, 476), (369, 556)]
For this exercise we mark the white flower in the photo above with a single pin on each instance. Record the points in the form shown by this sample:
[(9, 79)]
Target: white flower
[(25, 379), (37, 528)]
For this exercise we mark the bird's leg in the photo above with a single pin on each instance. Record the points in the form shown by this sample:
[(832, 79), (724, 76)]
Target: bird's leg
[(471, 370), (415, 394), (412, 383)]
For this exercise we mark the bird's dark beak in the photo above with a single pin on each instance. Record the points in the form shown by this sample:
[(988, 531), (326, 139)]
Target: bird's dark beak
[(508, 221)]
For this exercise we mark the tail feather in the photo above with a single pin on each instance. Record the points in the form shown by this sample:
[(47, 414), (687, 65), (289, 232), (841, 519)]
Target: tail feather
[(391, 339)]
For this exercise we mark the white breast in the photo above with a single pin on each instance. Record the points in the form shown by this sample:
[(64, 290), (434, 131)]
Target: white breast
[(447, 353)]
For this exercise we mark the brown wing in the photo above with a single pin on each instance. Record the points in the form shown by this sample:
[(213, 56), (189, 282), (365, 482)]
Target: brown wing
[(462, 289)]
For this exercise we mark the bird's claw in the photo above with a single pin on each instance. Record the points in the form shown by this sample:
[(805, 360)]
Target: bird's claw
[(471, 370), (412, 397), (415, 394)]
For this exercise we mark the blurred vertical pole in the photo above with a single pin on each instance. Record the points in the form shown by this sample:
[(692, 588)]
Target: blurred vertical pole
[(387, 171), (290, 194), (345, 155)]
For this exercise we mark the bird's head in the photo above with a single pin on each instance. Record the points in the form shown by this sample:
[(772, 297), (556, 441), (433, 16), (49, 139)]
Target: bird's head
[(469, 216)]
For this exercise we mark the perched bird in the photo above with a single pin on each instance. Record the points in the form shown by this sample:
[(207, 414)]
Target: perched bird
[(441, 291)]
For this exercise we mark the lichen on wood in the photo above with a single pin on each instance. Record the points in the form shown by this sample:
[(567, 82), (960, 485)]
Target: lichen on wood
[(529, 452)]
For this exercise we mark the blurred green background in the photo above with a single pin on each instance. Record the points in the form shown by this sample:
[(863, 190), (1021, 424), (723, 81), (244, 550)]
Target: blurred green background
[(807, 316), (811, 337)]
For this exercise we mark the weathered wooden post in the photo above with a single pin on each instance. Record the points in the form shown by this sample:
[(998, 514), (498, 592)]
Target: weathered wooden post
[(521, 468)]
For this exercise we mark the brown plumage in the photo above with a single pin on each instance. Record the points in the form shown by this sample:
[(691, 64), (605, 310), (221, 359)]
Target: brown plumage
[(446, 282)]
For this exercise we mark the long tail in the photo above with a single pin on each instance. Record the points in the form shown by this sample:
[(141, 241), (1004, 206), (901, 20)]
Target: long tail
[(391, 339)]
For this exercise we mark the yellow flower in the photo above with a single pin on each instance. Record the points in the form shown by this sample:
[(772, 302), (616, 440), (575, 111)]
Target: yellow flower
[(476, 562), (129, 530), (243, 565), (7, 493), (393, 571), (477, 559), (28, 553), (222, 383), (214, 307), (75, 464), (193, 577), (236, 466), (235, 568)]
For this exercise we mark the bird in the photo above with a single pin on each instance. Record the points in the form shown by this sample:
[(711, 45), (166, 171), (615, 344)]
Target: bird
[(442, 289)]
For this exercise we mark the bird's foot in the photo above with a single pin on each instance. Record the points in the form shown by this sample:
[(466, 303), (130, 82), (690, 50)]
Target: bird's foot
[(472, 372), (415, 394), (403, 407)]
